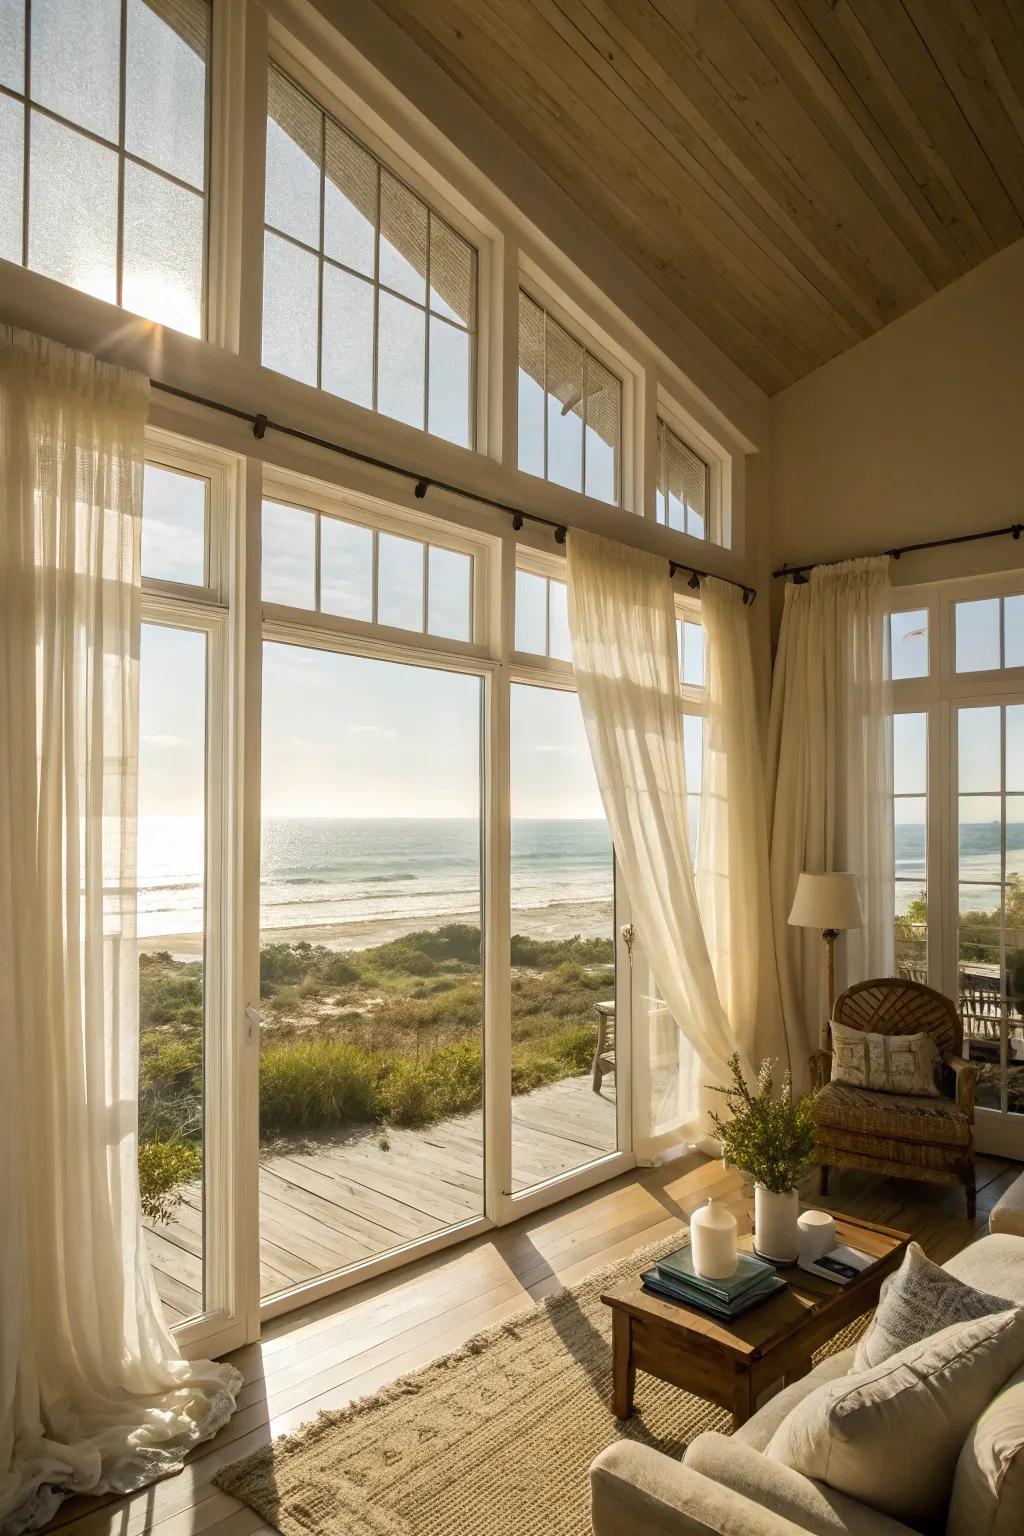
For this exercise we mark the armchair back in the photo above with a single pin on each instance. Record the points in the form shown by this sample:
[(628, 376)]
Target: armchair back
[(892, 1005)]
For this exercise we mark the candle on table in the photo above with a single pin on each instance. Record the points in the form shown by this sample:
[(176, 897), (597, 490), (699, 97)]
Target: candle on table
[(713, 1240)]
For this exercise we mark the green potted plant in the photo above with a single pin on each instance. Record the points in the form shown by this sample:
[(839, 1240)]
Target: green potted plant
[(770, 1137)]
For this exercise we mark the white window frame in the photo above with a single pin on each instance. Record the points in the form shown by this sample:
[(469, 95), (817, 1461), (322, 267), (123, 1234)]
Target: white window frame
[(429, 186), (718, 520), (583, 329), (206, 610), (939, 696)]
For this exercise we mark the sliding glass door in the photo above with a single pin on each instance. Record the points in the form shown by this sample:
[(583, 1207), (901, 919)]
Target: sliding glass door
[(563, 945), (371, 1042)]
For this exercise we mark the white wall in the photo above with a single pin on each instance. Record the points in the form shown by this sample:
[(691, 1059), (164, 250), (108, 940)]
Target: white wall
[(916, 433)]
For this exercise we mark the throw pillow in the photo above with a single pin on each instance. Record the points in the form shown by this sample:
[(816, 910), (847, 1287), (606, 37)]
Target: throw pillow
[(885, 1063), (923, 1400), (916, 1302)]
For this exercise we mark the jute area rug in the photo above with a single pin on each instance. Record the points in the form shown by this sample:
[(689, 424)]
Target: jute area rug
[(493, 1440)]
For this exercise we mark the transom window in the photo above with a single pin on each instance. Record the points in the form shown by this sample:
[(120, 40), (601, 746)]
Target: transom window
[(367, 292), (542, 616), (990, 634), (570, 408), (174, 526), (908, 644), (684, 486), (103, 149), (354, 571)]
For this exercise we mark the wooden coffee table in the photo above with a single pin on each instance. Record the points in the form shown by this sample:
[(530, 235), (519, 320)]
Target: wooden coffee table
[(733, 1363)]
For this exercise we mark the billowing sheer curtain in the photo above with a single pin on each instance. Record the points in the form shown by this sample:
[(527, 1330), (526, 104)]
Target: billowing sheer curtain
[(831, 761), (732, 839), (623, 627), (94, 1395)]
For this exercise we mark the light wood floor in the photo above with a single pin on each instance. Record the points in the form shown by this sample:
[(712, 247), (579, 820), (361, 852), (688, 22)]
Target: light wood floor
[(332, 1203), (346, 1346)]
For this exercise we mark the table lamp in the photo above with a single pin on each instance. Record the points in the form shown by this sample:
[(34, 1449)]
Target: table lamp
[(831, 903)]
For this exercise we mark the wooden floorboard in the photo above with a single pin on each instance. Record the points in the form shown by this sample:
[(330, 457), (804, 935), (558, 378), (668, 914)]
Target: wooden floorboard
[(328, 1204), (342, 1347)]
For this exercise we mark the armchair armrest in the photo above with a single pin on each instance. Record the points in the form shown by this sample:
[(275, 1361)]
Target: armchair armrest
[(964, 1081), (821, 1069), (637, 1491)]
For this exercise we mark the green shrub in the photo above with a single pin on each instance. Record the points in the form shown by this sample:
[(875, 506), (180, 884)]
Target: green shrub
[(164, 1166)]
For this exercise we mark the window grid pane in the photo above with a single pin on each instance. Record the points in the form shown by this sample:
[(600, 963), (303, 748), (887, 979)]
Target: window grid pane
[(387, 265), (105, 186), (327, 564), (570, 408)]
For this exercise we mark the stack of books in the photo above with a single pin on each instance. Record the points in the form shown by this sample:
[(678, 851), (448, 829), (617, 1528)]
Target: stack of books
[(675, 1279)]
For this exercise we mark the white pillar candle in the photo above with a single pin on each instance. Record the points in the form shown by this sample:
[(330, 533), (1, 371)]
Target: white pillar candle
[(816, 1233), (713, 1240)]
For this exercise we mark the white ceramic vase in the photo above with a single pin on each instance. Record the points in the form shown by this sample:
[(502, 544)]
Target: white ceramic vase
[(776, 1234)]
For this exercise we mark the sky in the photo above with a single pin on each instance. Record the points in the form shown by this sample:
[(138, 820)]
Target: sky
[(348, 736)]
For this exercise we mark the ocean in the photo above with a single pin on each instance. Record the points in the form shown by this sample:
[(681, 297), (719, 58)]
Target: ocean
[(320, 872), (333, 871)]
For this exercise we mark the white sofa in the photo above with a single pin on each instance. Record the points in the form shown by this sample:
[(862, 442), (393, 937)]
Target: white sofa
[(726, 1486)]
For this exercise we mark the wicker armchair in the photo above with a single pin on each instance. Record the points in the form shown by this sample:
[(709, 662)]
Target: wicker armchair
[(905, 1136)]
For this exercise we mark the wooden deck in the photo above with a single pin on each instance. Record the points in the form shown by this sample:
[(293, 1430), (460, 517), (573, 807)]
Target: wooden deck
[(330, 1203)]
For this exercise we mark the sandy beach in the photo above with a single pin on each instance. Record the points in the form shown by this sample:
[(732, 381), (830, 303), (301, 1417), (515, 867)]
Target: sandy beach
[(560, 920)]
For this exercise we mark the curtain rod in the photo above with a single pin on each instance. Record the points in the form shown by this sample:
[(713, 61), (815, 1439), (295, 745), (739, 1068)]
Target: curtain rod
[(422, 484), (799, 572)]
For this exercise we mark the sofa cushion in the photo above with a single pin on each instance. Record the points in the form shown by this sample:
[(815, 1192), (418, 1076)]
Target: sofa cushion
[(768, 1483), (1007, 1215), (760, 1427), (988, 1489), (919, 1300), (884, 1063), (922, 1400), (904, 1116), (994, 1263)]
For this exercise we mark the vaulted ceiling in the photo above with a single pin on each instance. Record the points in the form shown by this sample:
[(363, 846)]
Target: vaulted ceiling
[(793, 173)]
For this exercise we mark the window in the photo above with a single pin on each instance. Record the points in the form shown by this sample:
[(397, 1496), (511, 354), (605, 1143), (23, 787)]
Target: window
[(910, 824), (104, 107), (684, 486), (692, 676), (367, 292), (908, 644), (542, 616), (174, 525), (990, 634), (570, 408), (355, 571)]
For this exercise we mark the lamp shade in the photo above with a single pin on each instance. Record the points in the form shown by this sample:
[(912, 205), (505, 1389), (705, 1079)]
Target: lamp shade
[(827, 901)]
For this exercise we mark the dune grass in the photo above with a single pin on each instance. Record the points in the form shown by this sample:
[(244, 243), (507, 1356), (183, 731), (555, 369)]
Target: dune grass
[(388, 1035)]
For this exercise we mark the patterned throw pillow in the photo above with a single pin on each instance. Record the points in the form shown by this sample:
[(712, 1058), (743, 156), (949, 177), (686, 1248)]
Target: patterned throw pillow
[(918, 1300), (886, 1063)]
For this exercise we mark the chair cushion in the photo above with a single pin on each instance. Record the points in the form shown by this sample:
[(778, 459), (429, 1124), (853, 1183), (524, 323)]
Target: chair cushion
[(919, 1300), (884, 1063), (905, 1116), (922, 1401)]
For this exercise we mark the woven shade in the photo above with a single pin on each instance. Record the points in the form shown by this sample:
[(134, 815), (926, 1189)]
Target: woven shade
[(403, 223), (190, 19), (353, 170), (559, 363), (294, 113), (684, 479)]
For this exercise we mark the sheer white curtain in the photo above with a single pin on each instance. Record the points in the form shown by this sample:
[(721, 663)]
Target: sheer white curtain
[(830, 742), (93, 1393), (623, 627), (732, 839)]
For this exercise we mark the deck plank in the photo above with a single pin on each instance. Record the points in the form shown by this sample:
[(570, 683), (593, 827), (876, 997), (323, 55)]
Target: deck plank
[(328, 1204)]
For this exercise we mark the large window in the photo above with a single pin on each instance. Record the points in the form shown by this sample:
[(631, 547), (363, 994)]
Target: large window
[(103, 149), (910, 831), (570, 408), (367, 292)]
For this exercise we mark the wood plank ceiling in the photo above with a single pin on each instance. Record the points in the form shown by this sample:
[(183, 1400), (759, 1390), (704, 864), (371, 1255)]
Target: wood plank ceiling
[(793, 173)]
